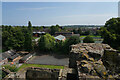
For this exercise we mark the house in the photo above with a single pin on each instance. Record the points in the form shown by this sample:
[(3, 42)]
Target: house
[(60, 38), (25, 58), (66, 34), (38, 33)]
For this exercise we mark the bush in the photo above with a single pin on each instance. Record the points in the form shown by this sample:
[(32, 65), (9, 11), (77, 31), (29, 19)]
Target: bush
[(12, 68), (88, 39), (72, 40)]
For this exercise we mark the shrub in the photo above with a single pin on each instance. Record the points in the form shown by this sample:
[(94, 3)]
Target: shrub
[(88, 39), (72, 40), (12, 68)]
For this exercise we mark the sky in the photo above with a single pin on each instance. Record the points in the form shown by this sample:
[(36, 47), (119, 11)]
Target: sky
[(62, 13)]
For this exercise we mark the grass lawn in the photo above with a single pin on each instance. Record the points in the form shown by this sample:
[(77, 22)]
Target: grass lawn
[(0, 50), (35, 37), (90, 36), (41, 66)]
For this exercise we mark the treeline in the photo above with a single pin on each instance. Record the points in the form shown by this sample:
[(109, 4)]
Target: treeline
[(18, 38), (21, 38)]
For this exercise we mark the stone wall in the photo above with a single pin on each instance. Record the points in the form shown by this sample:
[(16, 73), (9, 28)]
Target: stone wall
[(42, 74), (86, 58)]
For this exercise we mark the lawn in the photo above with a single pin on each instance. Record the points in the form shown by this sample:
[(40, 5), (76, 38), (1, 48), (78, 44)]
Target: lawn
[(82, 37), (90, 36), (35, 37), (41, 66), (0, 50)]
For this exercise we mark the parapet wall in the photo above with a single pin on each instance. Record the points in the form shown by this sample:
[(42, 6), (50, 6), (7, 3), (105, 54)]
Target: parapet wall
[(42, 74)]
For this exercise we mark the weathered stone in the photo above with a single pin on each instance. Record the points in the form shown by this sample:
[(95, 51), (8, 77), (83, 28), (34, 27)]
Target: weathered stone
[(87, 68), (100, 69), (89, 48), (99, 62), (89, 63), (91, 59)]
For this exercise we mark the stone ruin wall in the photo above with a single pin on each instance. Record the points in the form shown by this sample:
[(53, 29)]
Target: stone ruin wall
[(86, 59), (42, 74)]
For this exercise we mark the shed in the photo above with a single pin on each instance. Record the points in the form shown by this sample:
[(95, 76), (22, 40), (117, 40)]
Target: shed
[(25, 58)]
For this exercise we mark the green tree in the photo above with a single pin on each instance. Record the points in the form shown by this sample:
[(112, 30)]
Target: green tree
[(54, 29), (46, 42), (29, 24), (111, 32), (79, 31), (72, 40), (59, 46), (75, 31), (88, 39), (13, 38), (28, 46)]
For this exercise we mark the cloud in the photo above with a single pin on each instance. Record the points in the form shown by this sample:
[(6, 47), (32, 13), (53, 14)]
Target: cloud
[(41, 8), (89, 15)]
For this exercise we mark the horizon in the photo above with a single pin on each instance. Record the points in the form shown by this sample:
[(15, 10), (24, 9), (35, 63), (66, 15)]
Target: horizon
[(61, 13)]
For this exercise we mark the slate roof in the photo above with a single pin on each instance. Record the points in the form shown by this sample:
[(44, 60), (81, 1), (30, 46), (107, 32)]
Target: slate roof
[(15, 56), (60, 37), (8, 54), (25, 57)]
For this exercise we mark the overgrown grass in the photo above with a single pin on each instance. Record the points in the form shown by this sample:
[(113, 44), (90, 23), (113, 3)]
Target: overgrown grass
[(41, 66), (12, 68)]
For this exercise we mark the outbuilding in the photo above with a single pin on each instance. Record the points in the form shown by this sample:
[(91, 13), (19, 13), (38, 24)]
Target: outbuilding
[(25, 58), (60, 38)]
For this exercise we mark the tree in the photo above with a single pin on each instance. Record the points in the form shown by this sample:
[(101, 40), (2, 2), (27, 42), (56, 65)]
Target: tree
[(59, 46), (72, 40), (87, 32), (28, 42), (79, 31), (29, 24), (12, 38), (46, 42), (54, 29), (88, 39), (75, 31), (111, 32), (18, 38)]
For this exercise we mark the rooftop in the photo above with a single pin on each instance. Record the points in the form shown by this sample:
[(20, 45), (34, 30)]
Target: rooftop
[(60, 37)]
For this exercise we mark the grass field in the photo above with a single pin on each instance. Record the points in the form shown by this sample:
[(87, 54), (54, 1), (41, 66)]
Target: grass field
[(40, 66)]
